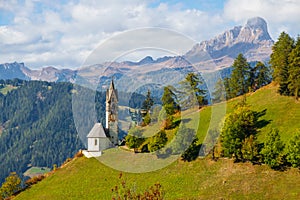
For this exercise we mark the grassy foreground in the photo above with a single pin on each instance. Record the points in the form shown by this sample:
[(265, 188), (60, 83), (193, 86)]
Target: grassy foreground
[(84, 178)]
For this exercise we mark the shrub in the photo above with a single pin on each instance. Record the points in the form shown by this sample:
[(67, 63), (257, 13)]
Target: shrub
[(272, 152), (293, 150), (122, 191)]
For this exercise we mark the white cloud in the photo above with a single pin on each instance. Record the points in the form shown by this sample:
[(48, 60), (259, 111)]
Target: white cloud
[(281, 15), (50, 33)]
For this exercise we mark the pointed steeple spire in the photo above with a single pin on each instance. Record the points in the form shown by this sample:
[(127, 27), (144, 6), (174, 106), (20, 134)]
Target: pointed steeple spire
[(112, 85), (111, 90)]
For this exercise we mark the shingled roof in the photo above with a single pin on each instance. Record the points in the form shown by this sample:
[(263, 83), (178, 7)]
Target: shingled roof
[(97, 131)]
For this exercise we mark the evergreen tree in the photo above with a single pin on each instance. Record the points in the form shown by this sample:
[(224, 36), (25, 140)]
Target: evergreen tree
[(158, 141), (149, 102), (261, 75), (279, 61), (250, 148), (228, 90), (134, 139), (168, 101), (238, 126), (294, 71), (219, 93), (273, 150), (191, 94), (293, 150), (240, 78)]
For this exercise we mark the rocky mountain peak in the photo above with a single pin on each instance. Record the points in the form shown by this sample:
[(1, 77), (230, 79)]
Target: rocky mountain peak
[(257, 23), (258, 28), (146, 60), (252, 39)]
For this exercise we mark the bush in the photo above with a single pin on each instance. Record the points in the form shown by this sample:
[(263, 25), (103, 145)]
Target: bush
[(34, 180), (293, 150), (78, 154), (272, 152), (122, 191), (158, 141), (192, 152)]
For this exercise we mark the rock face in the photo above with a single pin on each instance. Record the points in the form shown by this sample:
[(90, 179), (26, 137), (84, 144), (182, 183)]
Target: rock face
[(253, 40), (13, 70)]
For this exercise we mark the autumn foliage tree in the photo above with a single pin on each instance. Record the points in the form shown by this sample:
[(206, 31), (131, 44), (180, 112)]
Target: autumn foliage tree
[(11, 185)]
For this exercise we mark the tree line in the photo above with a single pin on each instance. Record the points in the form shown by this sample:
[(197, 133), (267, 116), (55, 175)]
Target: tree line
[(283, 69), (285, 62), (242, 80)]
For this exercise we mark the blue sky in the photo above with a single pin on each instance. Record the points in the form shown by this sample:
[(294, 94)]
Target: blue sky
[(64, 33)]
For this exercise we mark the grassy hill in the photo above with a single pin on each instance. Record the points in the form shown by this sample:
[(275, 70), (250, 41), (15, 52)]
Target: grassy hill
[(205, 179), (84, 178)]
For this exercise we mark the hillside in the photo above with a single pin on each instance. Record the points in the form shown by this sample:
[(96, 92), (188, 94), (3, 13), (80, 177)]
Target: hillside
[(30, 134), (85, 178), (89, 179)]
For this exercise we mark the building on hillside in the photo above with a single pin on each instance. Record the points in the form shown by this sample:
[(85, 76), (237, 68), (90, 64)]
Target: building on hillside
[(101, 138)]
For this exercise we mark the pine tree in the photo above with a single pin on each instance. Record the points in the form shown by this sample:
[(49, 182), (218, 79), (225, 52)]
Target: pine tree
[(228, 90), (191, 94), (294, 71), (219, 93), (168, 101), (240, 78), (238, 126), (261, 75), (279, 61), (293, 150), (273, 149), (158, 141), (148, 103)]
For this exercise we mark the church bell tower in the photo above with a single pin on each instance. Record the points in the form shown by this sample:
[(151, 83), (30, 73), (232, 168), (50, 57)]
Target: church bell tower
[(112, 113)]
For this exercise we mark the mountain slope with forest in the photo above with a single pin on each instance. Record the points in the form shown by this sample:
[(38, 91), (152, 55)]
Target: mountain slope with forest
[(203, 178)]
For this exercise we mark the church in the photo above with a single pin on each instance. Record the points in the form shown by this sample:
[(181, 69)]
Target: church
[(101, 138)]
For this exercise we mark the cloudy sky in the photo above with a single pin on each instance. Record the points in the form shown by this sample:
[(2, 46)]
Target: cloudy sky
[(64, 33)]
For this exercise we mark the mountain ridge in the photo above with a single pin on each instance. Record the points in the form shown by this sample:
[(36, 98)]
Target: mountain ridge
[(252, 39)]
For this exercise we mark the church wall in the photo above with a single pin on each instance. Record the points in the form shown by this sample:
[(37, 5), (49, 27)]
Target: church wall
[(101, 144)]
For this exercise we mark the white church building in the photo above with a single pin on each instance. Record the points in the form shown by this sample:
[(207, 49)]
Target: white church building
[(101, 138)]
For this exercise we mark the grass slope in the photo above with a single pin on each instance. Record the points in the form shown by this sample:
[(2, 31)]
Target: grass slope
[(89, 179), (85, 178), (7, 89), (282, 112)]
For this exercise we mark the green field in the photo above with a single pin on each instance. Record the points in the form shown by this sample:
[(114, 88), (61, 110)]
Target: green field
[(201, 179), (7, 89), (35, 171), (84, 178)]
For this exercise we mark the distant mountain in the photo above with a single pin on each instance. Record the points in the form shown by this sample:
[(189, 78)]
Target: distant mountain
[(51, 74), (13, 70), (252, 39)]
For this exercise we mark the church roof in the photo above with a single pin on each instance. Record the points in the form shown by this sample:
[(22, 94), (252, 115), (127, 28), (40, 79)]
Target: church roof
[(97, 131)]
